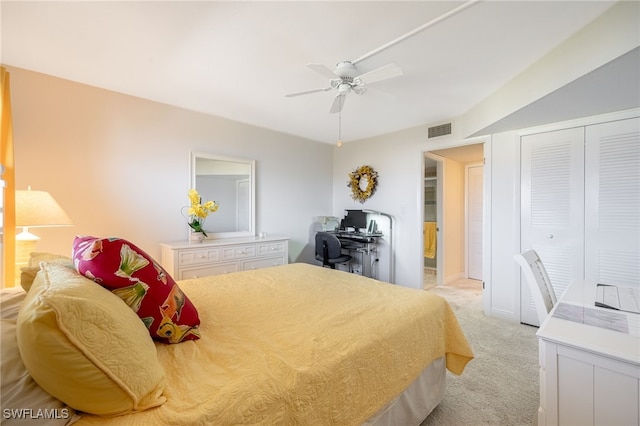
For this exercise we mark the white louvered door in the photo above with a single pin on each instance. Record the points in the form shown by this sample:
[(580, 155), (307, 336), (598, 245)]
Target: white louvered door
[(580, 205), (612, 213), (552, 208)]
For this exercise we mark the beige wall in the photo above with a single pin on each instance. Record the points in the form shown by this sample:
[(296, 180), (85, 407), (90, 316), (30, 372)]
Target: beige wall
[(119, 165), (453, 220)]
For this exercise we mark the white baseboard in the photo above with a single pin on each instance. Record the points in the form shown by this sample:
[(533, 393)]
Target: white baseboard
[(454, 277)]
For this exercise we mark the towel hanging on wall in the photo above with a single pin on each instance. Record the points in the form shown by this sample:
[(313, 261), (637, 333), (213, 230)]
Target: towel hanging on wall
[(429, 232)]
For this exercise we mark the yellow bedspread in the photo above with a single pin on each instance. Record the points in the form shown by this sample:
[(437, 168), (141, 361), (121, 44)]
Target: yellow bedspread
[(299, 344)]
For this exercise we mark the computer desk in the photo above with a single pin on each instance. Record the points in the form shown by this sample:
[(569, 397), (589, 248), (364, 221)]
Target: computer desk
[(589, 362), (363, 248)]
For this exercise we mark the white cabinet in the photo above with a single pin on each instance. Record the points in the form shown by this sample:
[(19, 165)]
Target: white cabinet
[(589, 369), (184, 260)]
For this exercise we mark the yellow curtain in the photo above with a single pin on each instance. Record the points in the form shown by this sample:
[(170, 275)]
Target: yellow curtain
[(8, 179)]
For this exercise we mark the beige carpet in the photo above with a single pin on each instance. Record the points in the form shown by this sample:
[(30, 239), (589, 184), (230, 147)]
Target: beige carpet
[(500, 385)]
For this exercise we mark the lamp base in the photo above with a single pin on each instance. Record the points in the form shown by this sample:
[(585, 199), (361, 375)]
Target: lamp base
[(25, 245)]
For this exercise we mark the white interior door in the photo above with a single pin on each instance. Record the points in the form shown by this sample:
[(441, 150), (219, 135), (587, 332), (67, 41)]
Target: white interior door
[(612, 215), (552, 208), (474, 220)]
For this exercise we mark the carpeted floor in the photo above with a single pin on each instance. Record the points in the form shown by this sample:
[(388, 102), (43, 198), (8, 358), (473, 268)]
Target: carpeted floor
[(500, 385)]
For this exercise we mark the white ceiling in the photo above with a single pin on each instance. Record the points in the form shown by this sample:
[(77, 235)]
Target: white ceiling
[(238, 59)]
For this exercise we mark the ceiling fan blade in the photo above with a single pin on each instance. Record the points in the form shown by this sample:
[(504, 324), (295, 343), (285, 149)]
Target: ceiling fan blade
[(306, 92), (382, 73), (321, 69), (338, 103)]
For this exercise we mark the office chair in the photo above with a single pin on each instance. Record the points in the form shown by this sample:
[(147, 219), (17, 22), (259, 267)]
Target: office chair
[(329, 250), (539, 283)]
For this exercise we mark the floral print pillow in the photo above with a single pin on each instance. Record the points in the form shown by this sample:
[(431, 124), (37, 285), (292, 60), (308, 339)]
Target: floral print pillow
[(131, 274)]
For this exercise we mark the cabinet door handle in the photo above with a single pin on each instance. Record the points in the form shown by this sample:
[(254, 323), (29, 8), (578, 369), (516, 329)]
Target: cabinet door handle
[(549, 236)]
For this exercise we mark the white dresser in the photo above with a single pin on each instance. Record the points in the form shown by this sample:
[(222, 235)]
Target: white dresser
[(184, 260), (589, 362)]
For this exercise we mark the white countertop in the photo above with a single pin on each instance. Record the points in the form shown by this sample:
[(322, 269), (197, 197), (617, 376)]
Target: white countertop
[(576, 321), (224, 241)]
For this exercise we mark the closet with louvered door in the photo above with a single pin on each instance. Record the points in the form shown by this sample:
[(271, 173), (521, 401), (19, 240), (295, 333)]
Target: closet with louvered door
[(580, 205), (612, 202), (552, 208)]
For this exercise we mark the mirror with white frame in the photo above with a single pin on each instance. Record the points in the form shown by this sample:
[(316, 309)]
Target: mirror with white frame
[(231, 183)]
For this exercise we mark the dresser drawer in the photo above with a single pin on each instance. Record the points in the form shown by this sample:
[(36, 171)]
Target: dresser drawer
[(194, 257), (225, 268), (263, 263), (265, 249), (221, 256), (238, 252)]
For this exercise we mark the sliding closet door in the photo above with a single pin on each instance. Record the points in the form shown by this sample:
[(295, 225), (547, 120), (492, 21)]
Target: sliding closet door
[(612, 214), (552, 208)]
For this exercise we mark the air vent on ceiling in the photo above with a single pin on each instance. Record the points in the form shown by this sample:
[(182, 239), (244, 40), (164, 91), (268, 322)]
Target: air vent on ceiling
[(441, 130)]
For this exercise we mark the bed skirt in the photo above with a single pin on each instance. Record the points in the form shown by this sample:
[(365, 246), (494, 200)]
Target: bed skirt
[(413, 405)]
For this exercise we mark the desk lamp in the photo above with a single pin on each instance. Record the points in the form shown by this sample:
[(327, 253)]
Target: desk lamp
[(34, 209)]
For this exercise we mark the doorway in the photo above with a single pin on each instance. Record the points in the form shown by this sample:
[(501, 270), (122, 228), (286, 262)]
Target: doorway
[(453, 205), (432, 217)]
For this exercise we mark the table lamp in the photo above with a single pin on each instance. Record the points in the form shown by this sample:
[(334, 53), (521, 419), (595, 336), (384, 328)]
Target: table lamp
[(34, 209)]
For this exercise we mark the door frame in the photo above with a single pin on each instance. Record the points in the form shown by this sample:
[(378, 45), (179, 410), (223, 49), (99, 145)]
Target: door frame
[(440, 219), (467, 166)]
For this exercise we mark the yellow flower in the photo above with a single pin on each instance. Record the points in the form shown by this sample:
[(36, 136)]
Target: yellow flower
[(198, 212)]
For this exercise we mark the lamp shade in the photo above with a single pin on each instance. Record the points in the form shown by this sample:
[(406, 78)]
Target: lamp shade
[(39, 209)]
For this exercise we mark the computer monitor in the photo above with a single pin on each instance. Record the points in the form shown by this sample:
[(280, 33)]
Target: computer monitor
[(355, 219)]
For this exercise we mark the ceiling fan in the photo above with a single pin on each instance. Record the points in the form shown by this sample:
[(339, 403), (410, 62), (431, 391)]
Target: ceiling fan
[(347, 79)]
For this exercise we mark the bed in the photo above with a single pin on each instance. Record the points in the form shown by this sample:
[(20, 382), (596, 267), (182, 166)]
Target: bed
[(293, 344)]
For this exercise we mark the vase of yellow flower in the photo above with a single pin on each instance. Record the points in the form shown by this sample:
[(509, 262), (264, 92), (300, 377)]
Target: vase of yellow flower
[(197, 213)]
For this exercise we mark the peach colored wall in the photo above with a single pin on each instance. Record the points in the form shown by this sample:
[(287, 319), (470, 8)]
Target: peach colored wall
[(119, 165), (454, 220)]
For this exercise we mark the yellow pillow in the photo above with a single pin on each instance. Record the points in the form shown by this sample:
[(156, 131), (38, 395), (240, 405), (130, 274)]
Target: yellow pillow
[(85, 346), (28, 273)]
